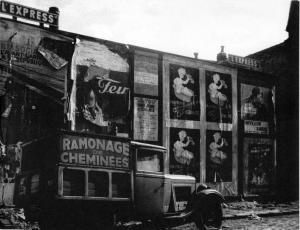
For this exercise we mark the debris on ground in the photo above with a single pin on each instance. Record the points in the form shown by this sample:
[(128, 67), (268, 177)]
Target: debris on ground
[(15, 218)]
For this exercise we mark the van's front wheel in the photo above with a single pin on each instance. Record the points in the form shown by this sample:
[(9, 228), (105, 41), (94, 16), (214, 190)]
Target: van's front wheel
[(210, 217)]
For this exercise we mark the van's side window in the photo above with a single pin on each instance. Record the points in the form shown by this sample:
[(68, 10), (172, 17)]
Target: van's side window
[(149, 160)]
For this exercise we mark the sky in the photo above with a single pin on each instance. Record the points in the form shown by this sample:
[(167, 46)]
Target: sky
[(177, 26)]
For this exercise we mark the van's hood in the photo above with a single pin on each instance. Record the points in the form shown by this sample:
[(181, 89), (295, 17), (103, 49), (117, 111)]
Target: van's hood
[(180, 177)]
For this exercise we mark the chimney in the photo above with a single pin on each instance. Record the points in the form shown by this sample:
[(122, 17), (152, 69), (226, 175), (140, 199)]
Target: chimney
[(222, 55), (196, 55), (54, 10)]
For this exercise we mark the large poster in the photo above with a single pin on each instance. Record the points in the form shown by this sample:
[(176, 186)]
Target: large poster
[(100, 94), (260, 166), (145, 119), (184, 93), (218, 156), (256, 105), (185, 151), (36, 53), (218, 97)]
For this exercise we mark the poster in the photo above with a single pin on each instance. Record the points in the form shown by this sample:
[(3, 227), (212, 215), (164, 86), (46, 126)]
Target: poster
[(257, 105), (185, 152), (100, 94), (218, 97), (260, 166), (218, 156), (184, 93), (145, 119), (257, 127), (145, 75), (35, 53)]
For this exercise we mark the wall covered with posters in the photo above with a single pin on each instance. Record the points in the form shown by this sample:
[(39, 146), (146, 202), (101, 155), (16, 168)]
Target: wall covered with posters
[(200, 121), (257, 99), (100, 93)]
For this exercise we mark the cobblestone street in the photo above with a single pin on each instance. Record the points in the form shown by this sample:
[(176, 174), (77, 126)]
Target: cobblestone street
[(286, 222), (279, 222)]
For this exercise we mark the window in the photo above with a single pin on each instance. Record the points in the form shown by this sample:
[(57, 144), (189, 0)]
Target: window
[(149, 160), (121, 185), (73, 182), (98, 185)]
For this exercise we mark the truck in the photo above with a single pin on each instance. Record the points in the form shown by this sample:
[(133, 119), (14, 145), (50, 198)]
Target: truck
[(93, 181)]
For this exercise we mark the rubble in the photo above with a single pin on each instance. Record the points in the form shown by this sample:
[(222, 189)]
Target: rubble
[(15, 218), (255, 210)]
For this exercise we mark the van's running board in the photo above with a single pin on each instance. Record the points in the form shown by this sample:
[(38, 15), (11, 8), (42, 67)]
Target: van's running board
[(177, 216)]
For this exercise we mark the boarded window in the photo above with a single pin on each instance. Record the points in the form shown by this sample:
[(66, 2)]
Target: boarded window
[(98, 185), (74, 182), (121, 185)]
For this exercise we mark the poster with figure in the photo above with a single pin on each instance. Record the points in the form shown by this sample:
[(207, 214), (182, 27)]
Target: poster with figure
[(145, 119), (218, 97), (260, 166), (257, 105), (218, 156), (100, 94), (184, 93), (185, 152)]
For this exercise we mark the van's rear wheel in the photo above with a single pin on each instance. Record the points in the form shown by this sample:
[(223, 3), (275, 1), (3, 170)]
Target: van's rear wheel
[(210, 217)]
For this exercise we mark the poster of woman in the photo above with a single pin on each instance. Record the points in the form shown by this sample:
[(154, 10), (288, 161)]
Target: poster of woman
[(218, 156), (184, 151), (184, 93), (256, 103), (101, 90), (218, 97)]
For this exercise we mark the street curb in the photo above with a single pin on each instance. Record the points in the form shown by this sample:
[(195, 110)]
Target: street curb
[(260, 214)]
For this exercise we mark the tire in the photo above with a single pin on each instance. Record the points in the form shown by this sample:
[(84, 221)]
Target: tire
[(210, 217)]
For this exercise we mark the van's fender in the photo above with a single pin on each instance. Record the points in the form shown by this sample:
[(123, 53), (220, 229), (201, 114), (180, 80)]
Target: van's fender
[(201, 198), (211, 193)]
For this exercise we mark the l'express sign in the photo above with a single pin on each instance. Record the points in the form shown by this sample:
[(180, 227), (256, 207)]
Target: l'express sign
[(94, 152), (244, 61), (28, 13)]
